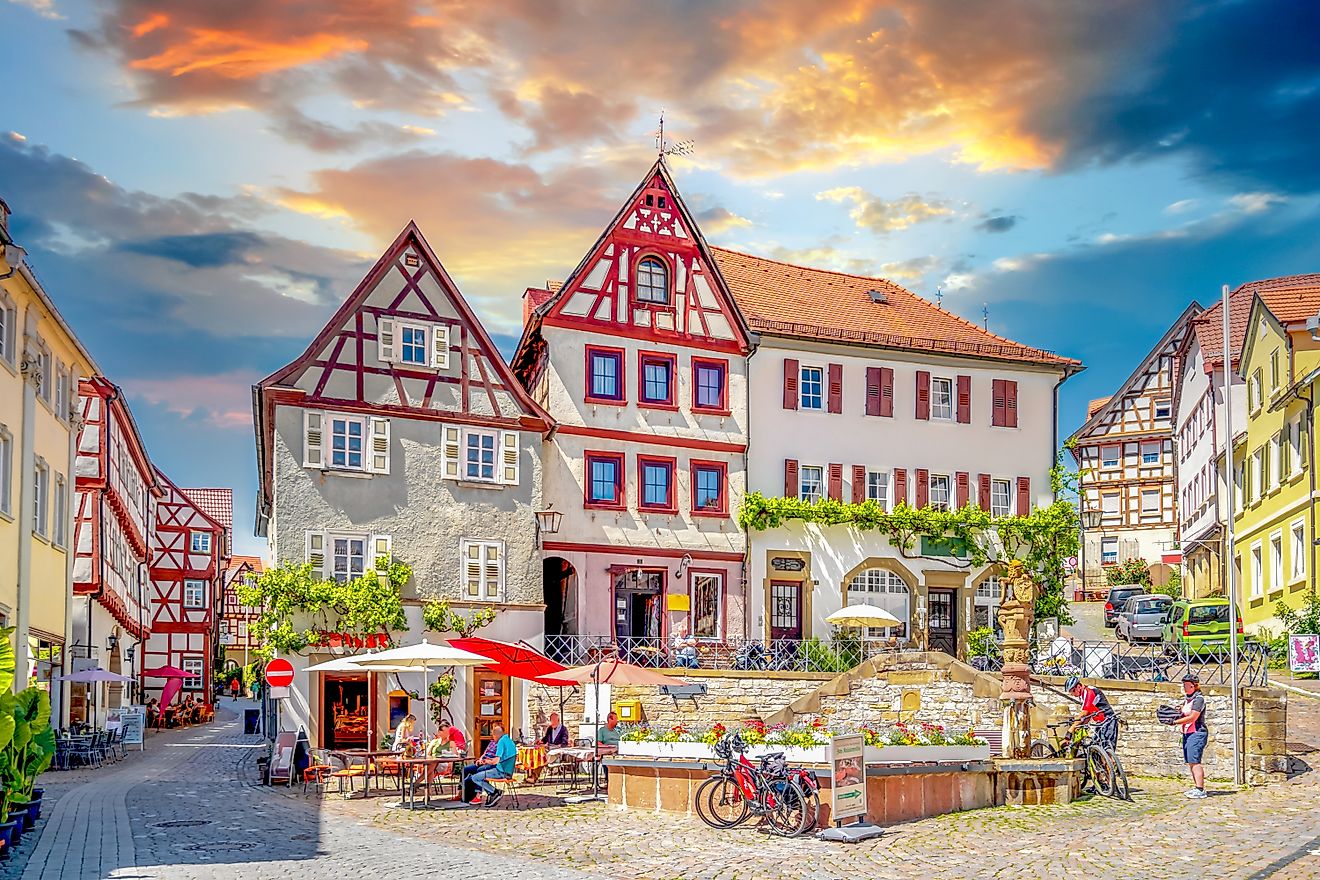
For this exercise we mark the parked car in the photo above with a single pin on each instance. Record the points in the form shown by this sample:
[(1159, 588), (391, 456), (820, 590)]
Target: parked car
[(1143, 618), (1117, 598), (1199, 626)]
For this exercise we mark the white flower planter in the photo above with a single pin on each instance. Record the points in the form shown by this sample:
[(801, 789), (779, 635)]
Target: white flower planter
[(665, 750), (810, 755), (915, 754)]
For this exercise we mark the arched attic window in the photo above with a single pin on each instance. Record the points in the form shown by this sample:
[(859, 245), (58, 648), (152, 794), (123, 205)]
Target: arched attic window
[(887, 590), (652, 281)]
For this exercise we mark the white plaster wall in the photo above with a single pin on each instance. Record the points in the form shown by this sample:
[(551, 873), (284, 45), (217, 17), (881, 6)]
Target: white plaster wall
[(1207, 445)]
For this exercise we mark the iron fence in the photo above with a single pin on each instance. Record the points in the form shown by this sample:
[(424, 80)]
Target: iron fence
[(781, 655), (1125, 661)]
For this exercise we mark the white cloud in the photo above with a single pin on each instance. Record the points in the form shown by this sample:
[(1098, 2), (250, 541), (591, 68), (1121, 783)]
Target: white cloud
[(1182, 206), (1256, 202)]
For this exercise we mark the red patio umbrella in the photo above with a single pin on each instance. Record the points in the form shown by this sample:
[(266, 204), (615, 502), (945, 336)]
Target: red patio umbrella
[(515, 659), (173, 686)]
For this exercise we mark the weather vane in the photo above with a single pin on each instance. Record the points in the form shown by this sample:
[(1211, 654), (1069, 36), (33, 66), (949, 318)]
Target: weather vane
[(682, 148)]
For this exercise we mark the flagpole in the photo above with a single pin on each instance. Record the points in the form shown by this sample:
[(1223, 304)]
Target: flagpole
[(1229, 567)]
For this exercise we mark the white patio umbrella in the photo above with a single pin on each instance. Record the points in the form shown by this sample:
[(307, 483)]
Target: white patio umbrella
[(350, 664), (863, 615), (425, 657)]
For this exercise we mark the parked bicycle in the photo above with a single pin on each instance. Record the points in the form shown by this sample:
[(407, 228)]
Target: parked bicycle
[(1102, 768), (786, 798)]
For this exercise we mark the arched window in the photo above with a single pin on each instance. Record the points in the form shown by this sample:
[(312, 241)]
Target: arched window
[(884, 589), (652, 281)]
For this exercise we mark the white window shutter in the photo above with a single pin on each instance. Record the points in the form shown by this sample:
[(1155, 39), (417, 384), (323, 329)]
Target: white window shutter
[(379, 462), (381, 554), (472, 569), (440, 347), (450, 449), (385, 339), (494, 570), (313, 439), (315, 553), (509, 457)]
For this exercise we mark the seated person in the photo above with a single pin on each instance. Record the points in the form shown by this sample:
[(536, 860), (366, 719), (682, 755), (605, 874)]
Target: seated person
[(454, 736), (556, 735), (607, 739), (684, 647), (496, 762), (153, 713)]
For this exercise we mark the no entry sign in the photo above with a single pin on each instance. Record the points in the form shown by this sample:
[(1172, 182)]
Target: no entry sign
[(279, 673)]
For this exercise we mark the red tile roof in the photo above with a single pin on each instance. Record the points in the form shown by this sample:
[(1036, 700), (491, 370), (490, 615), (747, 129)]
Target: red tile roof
[(1094, 406), (788, 300), (218, 504), (1291, 298), (253, 562)]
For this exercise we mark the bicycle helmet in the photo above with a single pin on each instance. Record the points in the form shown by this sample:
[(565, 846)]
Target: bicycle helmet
[(723, 751), (736, 743), (1072, 682), (774, 764)]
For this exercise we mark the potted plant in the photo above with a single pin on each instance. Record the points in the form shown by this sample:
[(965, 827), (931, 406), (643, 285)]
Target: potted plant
[(30, 750)]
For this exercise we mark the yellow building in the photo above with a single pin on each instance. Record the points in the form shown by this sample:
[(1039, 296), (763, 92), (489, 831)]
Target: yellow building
[(1274, 457), (41, 361)]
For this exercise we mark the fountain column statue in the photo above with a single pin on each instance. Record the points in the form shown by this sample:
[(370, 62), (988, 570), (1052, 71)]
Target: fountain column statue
[(1016, 611)]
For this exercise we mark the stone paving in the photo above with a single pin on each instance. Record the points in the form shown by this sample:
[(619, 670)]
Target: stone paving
[(189, 808)]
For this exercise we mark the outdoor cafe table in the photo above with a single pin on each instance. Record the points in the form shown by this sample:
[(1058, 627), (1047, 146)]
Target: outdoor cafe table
[(577, 756), (532, 759), (369, 759), (421, 770)]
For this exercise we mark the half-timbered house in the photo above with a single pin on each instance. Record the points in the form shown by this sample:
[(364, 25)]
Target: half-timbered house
[(189, 557), (1125, 460), (237, 641), (116, 493), (640, 356), (400, 434)]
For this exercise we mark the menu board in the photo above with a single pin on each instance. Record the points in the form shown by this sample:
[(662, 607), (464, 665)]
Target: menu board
[(134, 721), (848, 767)]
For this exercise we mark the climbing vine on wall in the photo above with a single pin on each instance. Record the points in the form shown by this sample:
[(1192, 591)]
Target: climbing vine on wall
[(296, 607)]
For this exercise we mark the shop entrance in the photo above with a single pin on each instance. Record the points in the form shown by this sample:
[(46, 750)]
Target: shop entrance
[(637, 597), (345, 712), (943, 626)]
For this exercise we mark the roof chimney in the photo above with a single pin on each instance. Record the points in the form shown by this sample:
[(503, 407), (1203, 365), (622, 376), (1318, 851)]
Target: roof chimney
[(877, 296)]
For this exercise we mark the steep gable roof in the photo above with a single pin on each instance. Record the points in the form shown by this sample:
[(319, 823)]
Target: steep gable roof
[(1292, 298)]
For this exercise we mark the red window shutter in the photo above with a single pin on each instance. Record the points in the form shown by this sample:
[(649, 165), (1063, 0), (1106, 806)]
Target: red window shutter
[(836, 482), (790, 384), (963, 488), (873, 391), (1024, 496), (983, 491), (922, 477), (923, 394), (997, 416), (900, 486), (964, 399), (858, 484), (886, 392), (1010, 404), (834, 403), (790, 478)]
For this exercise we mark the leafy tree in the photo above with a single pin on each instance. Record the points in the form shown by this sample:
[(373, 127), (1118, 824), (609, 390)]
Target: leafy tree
[(1302, 620), (439, 616), (1133, 571)]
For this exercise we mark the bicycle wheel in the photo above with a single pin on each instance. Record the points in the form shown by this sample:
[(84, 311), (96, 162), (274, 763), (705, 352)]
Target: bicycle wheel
[(1041, 749), (785, 807), (1121, 790), (720, 802), (1101, 770), (812, 808)]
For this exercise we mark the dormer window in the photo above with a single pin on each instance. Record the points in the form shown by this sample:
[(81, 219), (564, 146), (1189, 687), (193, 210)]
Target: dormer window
[(652, 281), (413, 350), (412, 343)]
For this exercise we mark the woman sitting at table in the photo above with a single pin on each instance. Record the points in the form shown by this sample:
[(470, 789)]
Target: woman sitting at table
[(403, 732), (454, 736), (153, 713)]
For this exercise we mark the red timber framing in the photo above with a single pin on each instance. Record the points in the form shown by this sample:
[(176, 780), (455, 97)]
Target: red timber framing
[(186, 574), (460, 382), (237, 618), (114, 493)]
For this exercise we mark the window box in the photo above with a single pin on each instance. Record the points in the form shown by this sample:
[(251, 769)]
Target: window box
[(655, 484), (710, 492), (605, 376), (603, 486), (710, 386), (656, 377)]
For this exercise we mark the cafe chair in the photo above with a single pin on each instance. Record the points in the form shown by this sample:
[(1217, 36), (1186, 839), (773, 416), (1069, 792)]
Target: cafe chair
[(508, 788), (317, 773)]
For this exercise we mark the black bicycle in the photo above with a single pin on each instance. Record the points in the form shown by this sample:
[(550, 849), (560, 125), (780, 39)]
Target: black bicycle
[(1102, 769)]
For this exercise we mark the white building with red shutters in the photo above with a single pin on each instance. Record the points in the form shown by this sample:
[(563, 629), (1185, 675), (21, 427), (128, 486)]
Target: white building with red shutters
[(116, 493), (401, 435), (189, 557), (859, 389), (640, 357)]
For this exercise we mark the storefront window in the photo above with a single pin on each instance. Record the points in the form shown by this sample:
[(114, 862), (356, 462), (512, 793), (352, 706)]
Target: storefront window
[(706, 604)]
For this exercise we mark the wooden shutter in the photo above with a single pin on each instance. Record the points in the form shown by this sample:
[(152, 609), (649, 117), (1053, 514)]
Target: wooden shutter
[(963, 488), (313, 439), (997, 413), (440, 347), (510, 455), (378, 460), (834, 402), (964, 399), (1010, 404), (385, 339), (873, 391), (790, 383), (314, 552), (451, 448), (858, 483), (381, 554), (493, 564), (983, 491), (923, 394), (836, 482), (790, 478), (1023, 496), (900, 486), (472, 569), (922, 478), (887, 392)]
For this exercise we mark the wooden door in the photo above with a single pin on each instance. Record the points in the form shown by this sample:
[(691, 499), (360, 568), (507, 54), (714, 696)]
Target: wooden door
[(785, 610), (943, 625), (490, 706)]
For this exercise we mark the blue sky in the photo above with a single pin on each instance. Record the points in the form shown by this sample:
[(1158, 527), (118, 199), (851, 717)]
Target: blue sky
[(200, 184)]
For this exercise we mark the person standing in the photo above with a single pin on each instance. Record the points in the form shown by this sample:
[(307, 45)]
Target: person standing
[(1195, 734), (233, 689)]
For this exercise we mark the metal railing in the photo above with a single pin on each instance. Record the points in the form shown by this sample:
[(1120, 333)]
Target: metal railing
[(1124, 661), (780, 655)]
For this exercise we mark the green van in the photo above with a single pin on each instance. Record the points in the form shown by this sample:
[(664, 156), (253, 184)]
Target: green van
[(1199, 625)]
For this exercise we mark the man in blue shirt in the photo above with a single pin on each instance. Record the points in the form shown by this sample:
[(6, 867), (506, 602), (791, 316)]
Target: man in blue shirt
[(495, 763)]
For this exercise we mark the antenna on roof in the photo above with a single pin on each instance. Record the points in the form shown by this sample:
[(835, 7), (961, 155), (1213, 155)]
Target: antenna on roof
[(939, 297), (682, 148), (985, 316)]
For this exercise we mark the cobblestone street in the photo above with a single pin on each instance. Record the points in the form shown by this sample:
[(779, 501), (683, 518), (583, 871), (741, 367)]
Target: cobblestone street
[(189, 808)]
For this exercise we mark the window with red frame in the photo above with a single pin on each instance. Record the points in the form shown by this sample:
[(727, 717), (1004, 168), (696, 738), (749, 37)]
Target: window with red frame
[(655, 483), (604, 374), (709, 385), (652, 281), (708, 487), (656, 379), (604, 479)]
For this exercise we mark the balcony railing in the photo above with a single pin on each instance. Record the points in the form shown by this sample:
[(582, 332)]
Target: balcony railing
[(1124, 661), (780, 655)]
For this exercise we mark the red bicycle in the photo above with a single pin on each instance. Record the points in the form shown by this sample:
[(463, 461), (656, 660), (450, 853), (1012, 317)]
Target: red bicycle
[(786, 798)]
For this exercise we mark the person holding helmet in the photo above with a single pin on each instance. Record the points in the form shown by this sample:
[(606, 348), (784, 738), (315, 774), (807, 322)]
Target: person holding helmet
[(1096, 711), (1195, 734)]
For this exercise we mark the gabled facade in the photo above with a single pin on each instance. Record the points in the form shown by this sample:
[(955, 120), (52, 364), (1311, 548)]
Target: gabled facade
[(237, 643), (861, 390), (1274, 452), (1125, 461), (401, 434), (116, 496), (640, 357), (187, 565)]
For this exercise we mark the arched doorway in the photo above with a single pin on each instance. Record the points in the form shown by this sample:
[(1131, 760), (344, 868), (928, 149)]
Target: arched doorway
[(115, 690), (559, 585)]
